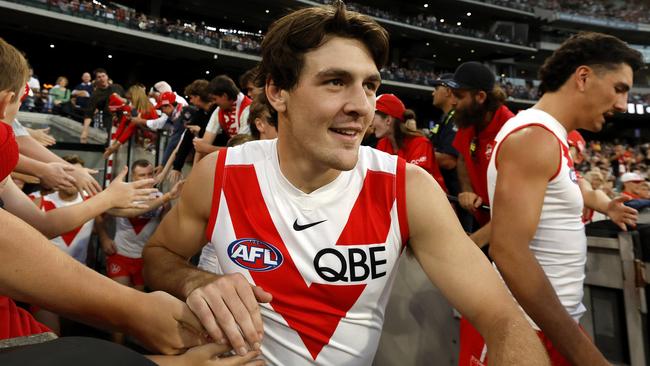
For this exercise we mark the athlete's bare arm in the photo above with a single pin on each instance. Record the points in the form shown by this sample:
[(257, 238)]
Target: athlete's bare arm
[(597, 200), (222, 303), (67, 287), (460, 270), (61, 220), (527, 160)]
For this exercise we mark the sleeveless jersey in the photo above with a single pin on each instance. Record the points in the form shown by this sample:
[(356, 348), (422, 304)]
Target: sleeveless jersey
[(74, 242), (329, 258), (560, 242), (132, 233)]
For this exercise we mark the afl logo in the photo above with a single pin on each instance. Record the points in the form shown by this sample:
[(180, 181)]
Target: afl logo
[(255, 255), (573, 176)]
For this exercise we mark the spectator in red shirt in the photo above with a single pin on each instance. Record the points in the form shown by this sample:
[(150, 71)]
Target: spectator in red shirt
[(480, 113), (390, 123)]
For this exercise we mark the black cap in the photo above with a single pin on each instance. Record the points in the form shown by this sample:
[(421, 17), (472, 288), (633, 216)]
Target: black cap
[(472, 75), (443, 79)]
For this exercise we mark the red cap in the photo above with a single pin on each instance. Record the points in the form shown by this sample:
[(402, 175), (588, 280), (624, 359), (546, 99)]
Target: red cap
[(166, 98), (115, 102), (391, 105), (8, 150)]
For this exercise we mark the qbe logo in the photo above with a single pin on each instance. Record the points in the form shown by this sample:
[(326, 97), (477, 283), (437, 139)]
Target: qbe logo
[(255, 255)]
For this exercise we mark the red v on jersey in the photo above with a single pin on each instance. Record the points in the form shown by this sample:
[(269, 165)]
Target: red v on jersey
[(138, 223), (315, 311), (68, 237)]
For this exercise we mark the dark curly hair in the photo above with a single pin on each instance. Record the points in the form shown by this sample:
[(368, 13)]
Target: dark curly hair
[(290, 37), (585, 48)]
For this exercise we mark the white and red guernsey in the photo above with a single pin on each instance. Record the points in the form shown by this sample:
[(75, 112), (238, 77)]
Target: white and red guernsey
[(75, 242), (329, 258), (132, 233)]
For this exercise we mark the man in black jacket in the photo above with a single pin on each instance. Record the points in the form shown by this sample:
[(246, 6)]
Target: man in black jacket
[(98, 103)]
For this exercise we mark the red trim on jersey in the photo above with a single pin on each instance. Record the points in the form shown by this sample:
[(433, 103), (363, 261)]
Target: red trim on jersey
[(369, 220), (401, 201), (313, 311), (559, 164), (216, 192), (68, 237), (138, 223)]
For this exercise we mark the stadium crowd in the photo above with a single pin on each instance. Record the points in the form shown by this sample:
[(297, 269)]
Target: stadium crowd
[(152, 236), (632, 11)]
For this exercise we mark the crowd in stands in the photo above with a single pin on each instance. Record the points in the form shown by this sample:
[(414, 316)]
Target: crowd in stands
[(407, 75), (604, 165), (201, 33), (433, 23), (634, 11), (250, 43)]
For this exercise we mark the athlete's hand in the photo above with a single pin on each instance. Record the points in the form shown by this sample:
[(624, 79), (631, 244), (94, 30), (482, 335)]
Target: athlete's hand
[(85, 181), (224, 305), (129, 195), (57, 176), (165, 324), (209, 355), (470, 201), (621, 214)]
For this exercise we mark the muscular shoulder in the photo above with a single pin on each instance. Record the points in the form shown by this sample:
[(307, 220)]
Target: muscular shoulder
[(533, 149), (197, 191)]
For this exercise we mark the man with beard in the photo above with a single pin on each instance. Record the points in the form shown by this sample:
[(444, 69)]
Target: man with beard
[(480, 113)]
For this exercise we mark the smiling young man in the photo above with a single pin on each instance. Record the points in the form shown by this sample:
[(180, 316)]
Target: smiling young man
[(538, 240), (308, 228)]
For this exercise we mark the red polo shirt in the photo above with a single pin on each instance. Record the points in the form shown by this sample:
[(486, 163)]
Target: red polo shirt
[(417, 150), (477, 161)]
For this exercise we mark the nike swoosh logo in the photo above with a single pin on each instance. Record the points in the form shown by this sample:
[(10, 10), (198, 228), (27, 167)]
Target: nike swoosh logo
[(298, 227)]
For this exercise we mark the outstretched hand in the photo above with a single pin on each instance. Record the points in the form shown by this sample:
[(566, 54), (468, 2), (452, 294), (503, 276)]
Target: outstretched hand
[(130, 195), (620, 214)]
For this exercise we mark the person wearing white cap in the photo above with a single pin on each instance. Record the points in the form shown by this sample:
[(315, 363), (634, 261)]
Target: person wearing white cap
[(162, 86), (631, 185)]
